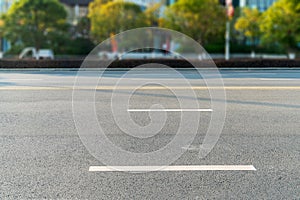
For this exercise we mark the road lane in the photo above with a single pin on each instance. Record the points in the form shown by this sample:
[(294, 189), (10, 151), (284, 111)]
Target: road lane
[(43, 157)]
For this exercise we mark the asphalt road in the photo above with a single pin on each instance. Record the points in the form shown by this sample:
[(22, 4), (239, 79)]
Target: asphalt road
[(42, 156)]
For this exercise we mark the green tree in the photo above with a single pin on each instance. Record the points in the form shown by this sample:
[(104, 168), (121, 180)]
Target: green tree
[(152, 14), (83, 27), (248, 25), (200, 19), (93, 16), (96, 4), (280, 24), (114, 17), (33, 22)]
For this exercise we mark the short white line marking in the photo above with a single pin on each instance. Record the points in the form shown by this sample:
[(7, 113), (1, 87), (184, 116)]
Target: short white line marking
[(170, 110), (172, 168), (191, 148), (278, 79), (22, 79)]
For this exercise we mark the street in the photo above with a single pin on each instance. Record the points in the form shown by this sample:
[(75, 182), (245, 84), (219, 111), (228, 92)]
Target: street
[(42, 155)]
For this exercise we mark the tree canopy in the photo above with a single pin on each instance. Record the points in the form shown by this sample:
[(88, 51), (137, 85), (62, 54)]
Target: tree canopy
[(33, 23), (152, 14), (248, 24), (281, 23), (114, 17), (200, 19)]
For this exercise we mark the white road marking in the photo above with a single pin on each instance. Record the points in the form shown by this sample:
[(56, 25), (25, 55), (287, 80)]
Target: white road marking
[(169, 110), (191, 148), (172, 168), (151, 88), (279, 79), (22, 79)]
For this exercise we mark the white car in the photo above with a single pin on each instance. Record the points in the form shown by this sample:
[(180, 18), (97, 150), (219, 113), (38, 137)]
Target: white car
[(137, 54), (150, 54), (31, 52), (45, 54), (105, 55)]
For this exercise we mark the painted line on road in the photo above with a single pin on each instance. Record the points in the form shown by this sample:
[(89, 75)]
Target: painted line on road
[(202, 88), (279, 79), (170, 110), (16, 88), (153, 88), (22, 79), (172, 168)]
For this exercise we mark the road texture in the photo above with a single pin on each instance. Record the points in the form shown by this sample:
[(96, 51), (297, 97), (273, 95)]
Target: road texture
[(42, 156)]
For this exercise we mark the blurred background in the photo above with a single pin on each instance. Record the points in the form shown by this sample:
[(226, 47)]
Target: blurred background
[(72, 28)]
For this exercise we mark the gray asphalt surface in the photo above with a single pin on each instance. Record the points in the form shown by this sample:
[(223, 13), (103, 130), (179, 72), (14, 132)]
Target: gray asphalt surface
[(42, 156)]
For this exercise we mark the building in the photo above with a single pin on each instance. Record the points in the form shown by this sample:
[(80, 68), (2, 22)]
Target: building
[(236, 3), (76, 9), (261, 5), (170, 2)]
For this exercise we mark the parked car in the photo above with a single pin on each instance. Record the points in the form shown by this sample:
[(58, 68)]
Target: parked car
[(31, 52), (147, 54), (105, 55)]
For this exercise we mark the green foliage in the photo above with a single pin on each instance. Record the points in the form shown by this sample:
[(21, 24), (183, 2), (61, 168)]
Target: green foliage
[(152, 14), (65, 44), (80, 46), (83, 27), (15, 50), (215, 48), (32, 22), (281, 24), (114, 17), (248, 24), (200, 19)]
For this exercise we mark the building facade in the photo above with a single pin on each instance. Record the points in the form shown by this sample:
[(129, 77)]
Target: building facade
[(76, 9), (261, 5), (170, 2)]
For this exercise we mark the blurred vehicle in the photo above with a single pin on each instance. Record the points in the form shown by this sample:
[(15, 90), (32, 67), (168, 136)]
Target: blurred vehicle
[(31, 52), (149, 53), (106, 55)]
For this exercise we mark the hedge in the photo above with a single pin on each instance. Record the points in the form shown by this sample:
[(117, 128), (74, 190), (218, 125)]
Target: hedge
[(234, 63)]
